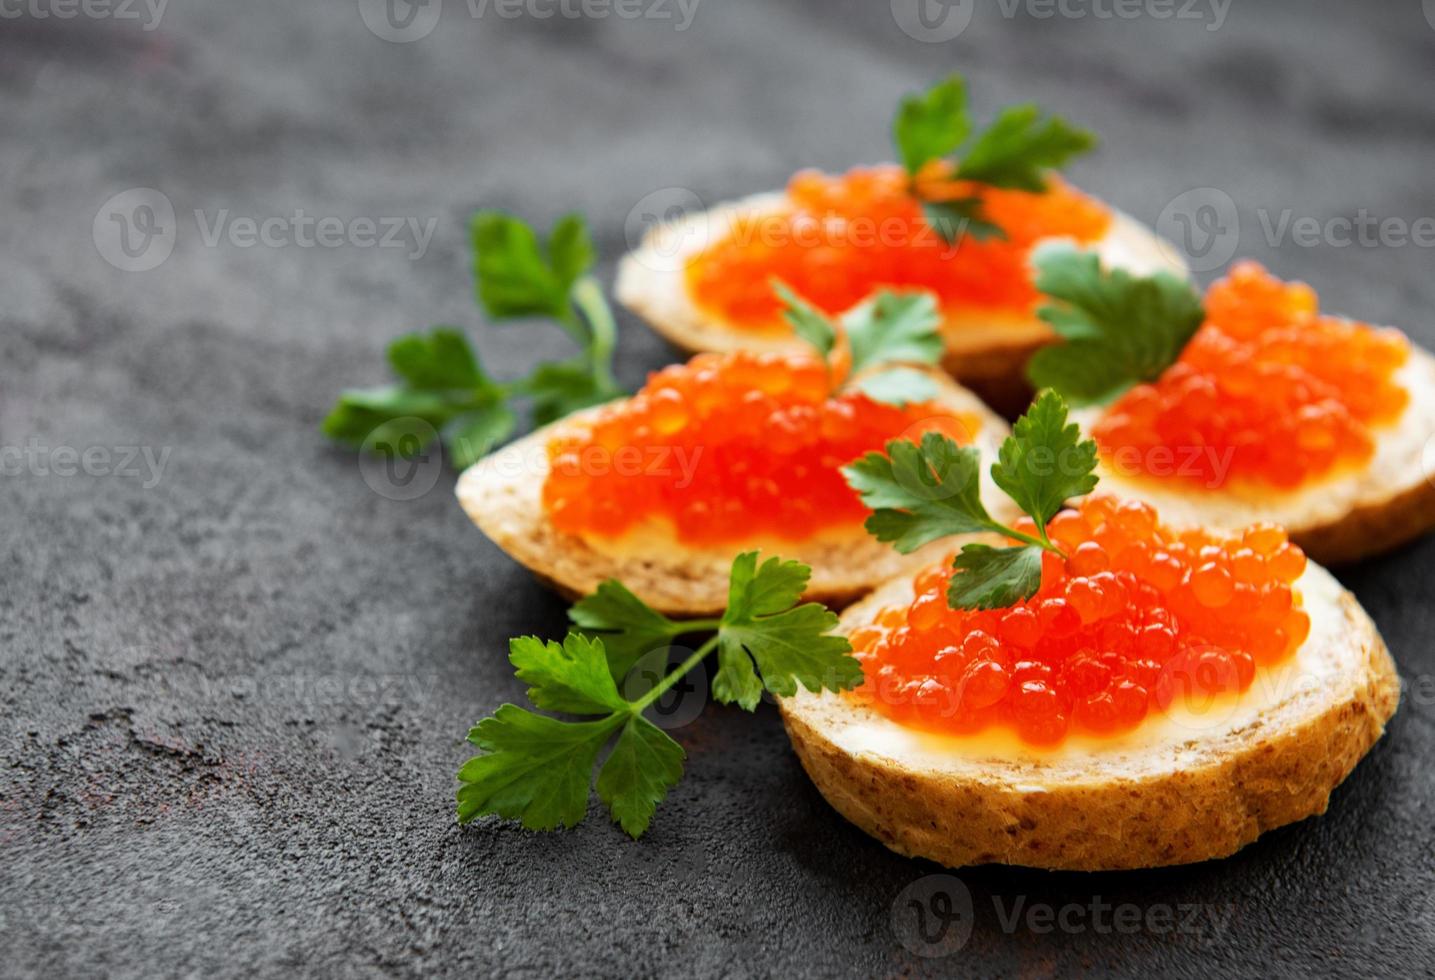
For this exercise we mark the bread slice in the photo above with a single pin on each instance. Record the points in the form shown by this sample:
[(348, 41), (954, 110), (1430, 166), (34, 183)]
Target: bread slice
[(986, 350), (1178, 789), (502, 493), (1354, 515)]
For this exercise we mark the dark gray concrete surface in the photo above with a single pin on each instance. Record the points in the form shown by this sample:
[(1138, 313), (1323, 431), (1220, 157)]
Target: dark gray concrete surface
[(235, 686)]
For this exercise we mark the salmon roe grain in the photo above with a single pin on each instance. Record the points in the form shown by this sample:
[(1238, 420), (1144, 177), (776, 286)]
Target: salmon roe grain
[(1137, 618), (727, 448), (837, 239), (1267, 392)]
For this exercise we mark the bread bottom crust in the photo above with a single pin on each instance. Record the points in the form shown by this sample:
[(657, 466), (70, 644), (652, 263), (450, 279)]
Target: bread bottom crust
[(1372, 529), (1209, 806)]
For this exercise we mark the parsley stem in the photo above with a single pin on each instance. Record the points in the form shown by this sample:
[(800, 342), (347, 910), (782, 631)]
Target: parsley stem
[(587, 296), (661, 688), (1043, 542)]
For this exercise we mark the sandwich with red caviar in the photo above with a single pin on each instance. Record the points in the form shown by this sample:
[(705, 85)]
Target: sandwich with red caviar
[(960, 228), (727, 453), (1246, 405), (1104, 691)]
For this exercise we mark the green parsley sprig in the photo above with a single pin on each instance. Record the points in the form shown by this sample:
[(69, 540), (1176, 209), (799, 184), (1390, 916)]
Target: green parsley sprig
[(1120, 330), (538, 769), (443, 382), (887, 330), (921, 493), (1016, 151)]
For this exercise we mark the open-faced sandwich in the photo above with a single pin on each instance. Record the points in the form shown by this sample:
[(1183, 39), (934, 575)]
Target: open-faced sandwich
[(728, 453), (1104, 691), (1248, 405), (960, 229)]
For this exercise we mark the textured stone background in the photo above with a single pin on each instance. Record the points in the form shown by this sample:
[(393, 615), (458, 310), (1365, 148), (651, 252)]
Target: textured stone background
[(234, 696)]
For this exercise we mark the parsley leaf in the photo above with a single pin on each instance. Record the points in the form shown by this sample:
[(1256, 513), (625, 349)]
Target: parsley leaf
[(439, 361), (788, 643), (1045, 463), (808, 322), (894, 328), (443, 384), (887, 329), (1120, 330), (476, 432), (628, 627), (1020, 146), (537, 769), (516, 275), (931, 124), (560, 388), (571, 677), (920, 493), (1015, 151), (994, 578), (962, 216), (899, 386), (789, 649), (645, 763), (534, 769)]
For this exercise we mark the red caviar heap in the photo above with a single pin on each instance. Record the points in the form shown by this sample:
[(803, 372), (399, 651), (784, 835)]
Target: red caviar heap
[(1293, 395), (727, 447), (839, 238), (1136, 616)]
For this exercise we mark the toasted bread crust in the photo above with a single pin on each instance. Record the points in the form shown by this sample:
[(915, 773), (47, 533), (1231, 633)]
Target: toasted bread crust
[(1372, 529), (1185, 803), (1389, 502), (502, 494)]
